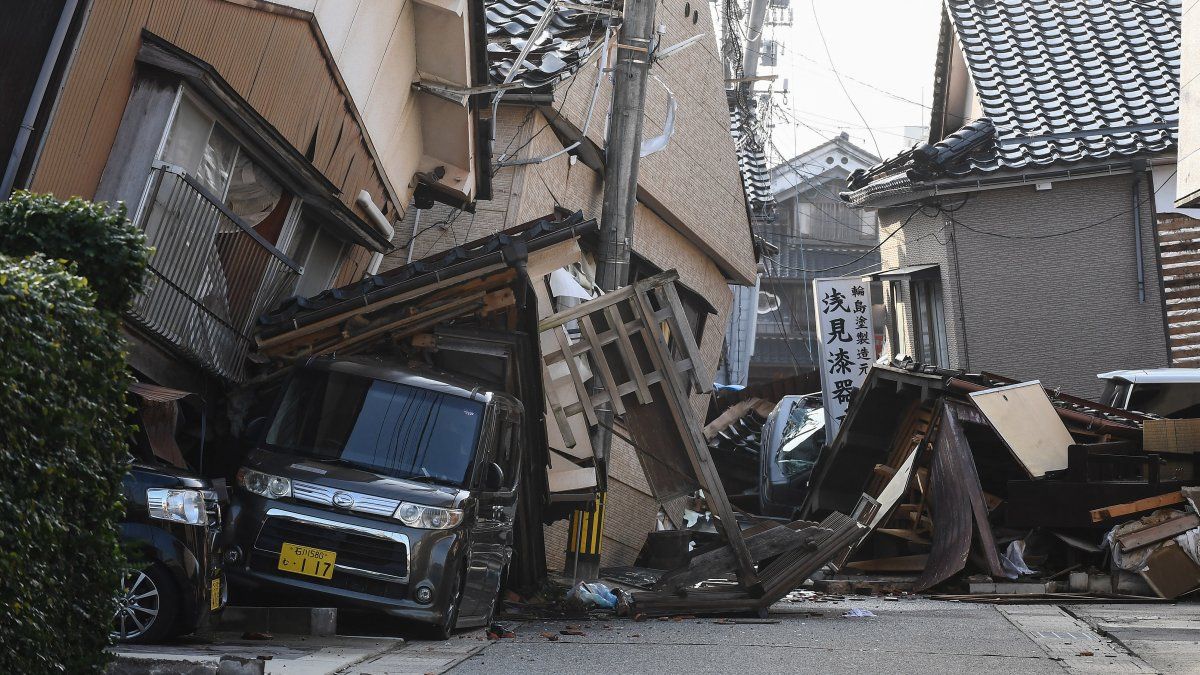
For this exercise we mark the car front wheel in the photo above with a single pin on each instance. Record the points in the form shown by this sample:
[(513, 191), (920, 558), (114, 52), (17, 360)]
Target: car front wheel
[(147, 604)]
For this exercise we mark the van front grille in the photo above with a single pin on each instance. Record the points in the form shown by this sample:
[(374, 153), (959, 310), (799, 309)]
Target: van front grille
[(356, 550)]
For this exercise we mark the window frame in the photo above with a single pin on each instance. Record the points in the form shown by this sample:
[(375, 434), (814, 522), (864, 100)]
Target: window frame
[(928, 308), (293, 221)]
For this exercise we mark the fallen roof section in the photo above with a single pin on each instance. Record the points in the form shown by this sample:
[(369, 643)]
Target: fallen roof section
[(495, 251), (570, 36)]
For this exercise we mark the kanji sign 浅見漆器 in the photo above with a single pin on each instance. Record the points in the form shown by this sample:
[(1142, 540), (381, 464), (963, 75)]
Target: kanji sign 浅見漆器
[(846, 335)]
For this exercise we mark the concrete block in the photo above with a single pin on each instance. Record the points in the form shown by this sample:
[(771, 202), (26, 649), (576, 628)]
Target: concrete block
[(1013, 587), (238, 665), (1078, 582), (311, 621)]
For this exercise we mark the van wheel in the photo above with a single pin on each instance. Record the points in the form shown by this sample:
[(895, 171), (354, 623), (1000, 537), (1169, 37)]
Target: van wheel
[(147, 605)]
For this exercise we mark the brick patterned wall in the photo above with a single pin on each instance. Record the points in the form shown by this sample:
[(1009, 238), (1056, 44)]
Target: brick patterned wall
[(696, 177), (1059, 309)]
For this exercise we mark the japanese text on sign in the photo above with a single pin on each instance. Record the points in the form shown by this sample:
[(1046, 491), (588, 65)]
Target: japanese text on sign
[(846, 335)]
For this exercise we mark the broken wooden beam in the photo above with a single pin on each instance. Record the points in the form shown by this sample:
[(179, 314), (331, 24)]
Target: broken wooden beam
[(902, 563), (1147, 504), (720, 562), (1156, 533)]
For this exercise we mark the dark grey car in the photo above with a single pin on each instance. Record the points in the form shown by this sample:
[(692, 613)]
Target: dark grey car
[(385, 487)]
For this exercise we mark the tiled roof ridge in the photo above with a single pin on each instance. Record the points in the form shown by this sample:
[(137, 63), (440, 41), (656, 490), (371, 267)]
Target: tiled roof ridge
[(752, 158), (276, 319)]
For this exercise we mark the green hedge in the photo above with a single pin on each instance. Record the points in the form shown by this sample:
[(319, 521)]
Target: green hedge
[(97, 239), (63, 428)]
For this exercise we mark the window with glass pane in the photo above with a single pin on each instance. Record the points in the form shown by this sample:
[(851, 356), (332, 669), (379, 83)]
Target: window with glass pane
[(929, 322), (320, 254), (386, 427)]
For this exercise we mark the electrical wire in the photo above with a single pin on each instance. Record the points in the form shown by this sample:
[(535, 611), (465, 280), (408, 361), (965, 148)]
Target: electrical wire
[(1034, 237), (787, 340), (838, 75), (864, 255)]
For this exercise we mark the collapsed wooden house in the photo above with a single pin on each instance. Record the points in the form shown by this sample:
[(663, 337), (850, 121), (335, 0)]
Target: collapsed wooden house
[(963, 465), (487, 310)]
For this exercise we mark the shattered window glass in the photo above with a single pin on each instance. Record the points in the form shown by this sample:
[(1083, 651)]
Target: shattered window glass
[(801, 441)]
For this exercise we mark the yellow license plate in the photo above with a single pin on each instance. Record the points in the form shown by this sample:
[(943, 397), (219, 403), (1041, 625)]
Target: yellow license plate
[(306, 560), (214, 600)]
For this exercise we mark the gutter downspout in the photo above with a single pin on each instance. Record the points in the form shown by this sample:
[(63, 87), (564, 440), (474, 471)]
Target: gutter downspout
[(37, 97), (1158, 265), (1137, 232)]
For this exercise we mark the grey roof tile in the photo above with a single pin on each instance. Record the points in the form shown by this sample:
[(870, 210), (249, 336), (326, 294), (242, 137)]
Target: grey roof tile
[(1054, 67), (756, 175), (569, 39)]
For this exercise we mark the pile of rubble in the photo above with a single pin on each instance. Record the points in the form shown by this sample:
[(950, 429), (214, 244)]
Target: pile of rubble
[(977, 482)]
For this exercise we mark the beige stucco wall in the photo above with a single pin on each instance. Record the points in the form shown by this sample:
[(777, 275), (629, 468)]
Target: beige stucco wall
[(381, 47), (696, 177)]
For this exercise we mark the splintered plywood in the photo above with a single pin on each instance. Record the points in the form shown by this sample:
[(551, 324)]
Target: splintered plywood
[(1024, 418), (893, 492)]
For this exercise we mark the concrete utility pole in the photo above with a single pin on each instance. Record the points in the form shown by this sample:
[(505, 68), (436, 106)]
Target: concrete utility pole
[(621, 157), (623, 150), (754, 33)]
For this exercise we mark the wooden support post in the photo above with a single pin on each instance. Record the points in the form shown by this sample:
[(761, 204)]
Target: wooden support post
[(681, 410)]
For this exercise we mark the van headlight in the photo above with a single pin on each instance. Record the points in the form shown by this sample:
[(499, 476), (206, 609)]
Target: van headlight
[(428, 517), (177, 506), (264, 484)]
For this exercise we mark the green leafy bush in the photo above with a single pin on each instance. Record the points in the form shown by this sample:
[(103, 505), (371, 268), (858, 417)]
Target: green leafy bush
[(101, 243), (63, 429)]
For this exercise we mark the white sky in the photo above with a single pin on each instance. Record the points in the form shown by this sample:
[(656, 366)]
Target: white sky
[(889, 44)]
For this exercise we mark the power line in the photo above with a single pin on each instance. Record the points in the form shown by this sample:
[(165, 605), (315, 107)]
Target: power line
[(829, 55), (864, 255), (1002, 235)]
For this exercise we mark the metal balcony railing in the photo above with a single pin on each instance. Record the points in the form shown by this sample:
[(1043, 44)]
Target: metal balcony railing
[(211, 274)]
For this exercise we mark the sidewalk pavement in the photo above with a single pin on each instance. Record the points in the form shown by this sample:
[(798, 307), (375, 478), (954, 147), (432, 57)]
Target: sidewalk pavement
[(908, 635), (299, 655)]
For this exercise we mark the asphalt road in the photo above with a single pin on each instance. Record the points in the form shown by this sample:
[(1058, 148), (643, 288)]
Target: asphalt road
[(905, 636)]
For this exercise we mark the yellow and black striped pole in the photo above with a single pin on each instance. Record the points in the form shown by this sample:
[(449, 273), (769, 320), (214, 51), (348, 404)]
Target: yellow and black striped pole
[(585, 535)]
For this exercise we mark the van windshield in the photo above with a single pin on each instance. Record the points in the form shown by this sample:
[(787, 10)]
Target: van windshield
[(385, 427)]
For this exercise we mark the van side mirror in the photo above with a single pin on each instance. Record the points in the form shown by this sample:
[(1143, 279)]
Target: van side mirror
[(254, 429), (494, 478)]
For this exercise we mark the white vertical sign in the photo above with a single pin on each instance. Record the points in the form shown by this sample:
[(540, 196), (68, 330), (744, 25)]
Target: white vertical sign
[(843, 307)]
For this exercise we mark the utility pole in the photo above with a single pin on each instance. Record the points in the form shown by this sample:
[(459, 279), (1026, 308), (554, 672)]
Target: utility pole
[(622, 154), (754, 33), (623, 148)]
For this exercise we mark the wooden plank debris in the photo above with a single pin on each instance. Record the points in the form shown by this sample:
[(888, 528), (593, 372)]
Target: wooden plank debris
[(904, 563), (1147, 504), (1156, 533)]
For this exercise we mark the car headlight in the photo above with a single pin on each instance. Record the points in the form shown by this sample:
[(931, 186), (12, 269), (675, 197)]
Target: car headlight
[(428, 517), (264, 484), (179, 506)]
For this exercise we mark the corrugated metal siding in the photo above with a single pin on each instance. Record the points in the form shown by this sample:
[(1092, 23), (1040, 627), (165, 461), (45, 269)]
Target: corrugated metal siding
[(272, 60)]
